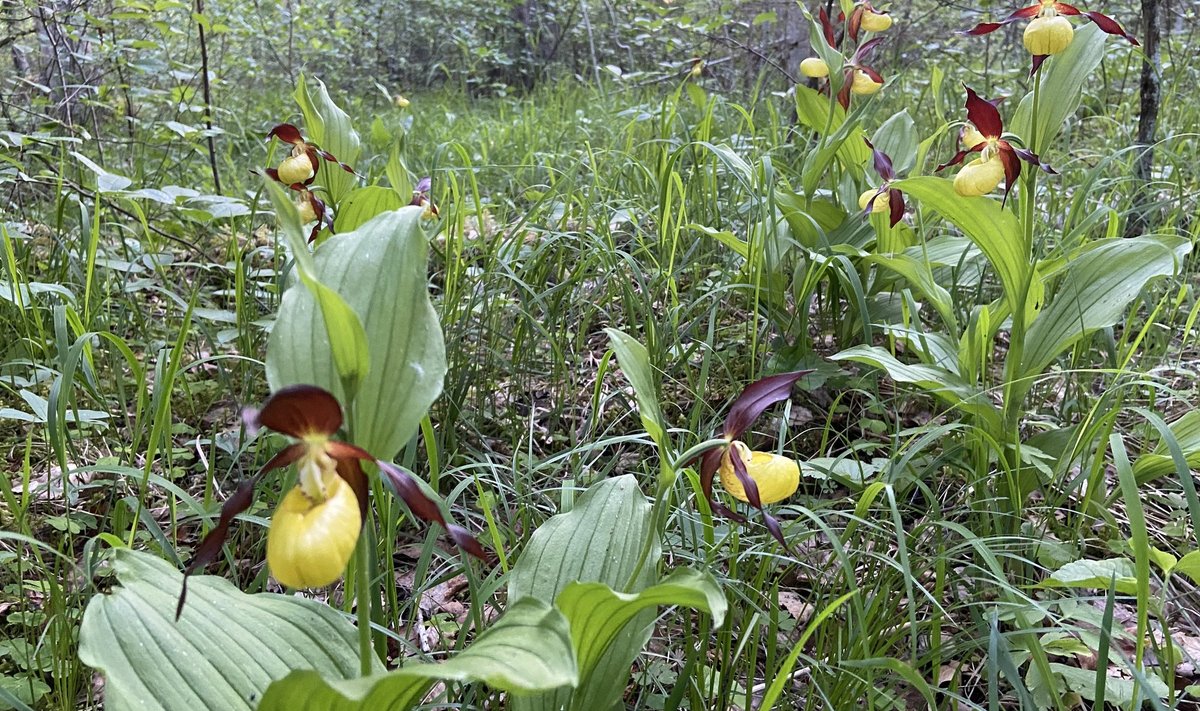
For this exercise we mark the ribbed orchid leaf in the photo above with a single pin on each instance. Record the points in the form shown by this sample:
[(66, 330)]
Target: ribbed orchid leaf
[(527, 650), (223, 653)]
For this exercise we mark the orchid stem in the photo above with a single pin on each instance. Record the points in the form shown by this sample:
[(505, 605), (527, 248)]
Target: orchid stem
[(363, 602)]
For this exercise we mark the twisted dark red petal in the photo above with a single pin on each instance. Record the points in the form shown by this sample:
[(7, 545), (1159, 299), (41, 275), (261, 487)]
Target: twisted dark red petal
[(424, 507), (1027, 12), (210, 547), (984, 115), (827, 28), (710, 461), (1030, 157), (751, 489), (756, 398), (287, 133), (984, 28), (882, 162), (864, 50), (1037, 63), (1012, 167), (896, 204), (855, 23), (351, 472), (1111, 26), (1064, 9), (958, 157)]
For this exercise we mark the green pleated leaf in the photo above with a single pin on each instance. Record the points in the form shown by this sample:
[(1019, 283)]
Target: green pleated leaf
[(1159, 461), (598, 541), (920, 277), (330, 128), (379, 270), (940, 382), (360, 205), (224, 651), (992, 228), (897, 138), (342, 328), (1094, 293), (635, 364), (1062, 77), (528, 649), (598, 615)]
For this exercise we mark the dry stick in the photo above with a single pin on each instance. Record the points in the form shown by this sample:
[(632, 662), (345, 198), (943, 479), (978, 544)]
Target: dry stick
[(212, 150)]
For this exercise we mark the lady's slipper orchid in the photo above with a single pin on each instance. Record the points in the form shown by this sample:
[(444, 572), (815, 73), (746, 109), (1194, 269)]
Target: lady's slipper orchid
[(311, 209), (885, 198), (1050, 32), (776, 477), (754, 477), (316, 527), (857, 78), (302, 163), (866, 17), (998, 158)]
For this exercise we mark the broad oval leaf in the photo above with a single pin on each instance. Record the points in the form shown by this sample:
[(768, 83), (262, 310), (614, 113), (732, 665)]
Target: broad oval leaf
[(528, 649), (379, 270), (1094, 293), (1062, 77), (360, 205), (331, 129), (992, 228), (598, 541), (224, 651), (598, 614)]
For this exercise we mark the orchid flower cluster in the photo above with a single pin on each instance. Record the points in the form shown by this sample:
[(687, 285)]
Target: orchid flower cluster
[(299, 170), (859, 79)]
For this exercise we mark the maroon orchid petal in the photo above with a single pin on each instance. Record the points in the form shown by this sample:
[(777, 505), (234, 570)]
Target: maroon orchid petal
[(882, 162), (300, 410), (287, 133), (710, 462), (421, 505), (346, 452), (1030, 157), (1012, 168), (330, 157), (211, 546), (959, 157), (864, 50), (1025, 13), (855, 23), (827, 28), (751, 489), (351, 472), (756, 398), (463, 538), (984, 28), (726, 512), (984, 115), (289, 455), (1037, 63), (313, 158), (896, 204), (1064, 9), (843, 96), (875, 76), (1110, 26), (272, 174)]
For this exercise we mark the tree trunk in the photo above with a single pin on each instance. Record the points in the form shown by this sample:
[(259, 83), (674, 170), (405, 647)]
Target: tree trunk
[(1147, 116)]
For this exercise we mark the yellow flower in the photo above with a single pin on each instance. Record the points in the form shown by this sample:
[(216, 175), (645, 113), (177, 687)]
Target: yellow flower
[(880, 204), (873, 21), (296, 168), (311, 539), (863, 84), (400, 101), (1048, 35), (815, 68), (776, 477), (979, 177)]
